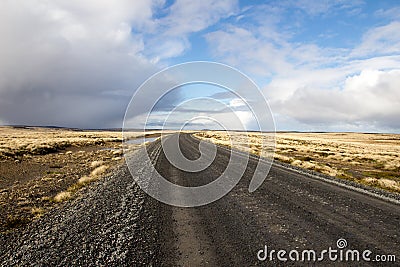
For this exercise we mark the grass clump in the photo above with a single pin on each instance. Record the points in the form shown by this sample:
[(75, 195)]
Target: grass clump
[(99, 171), (62, 196), (96, 163), (37, 212), (83, 181)]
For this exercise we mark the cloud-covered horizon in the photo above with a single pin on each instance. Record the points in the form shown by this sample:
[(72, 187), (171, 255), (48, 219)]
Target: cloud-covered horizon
[(322, 65), (70, 63)]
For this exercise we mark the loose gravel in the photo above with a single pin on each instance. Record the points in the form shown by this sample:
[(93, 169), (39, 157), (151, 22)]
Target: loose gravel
[(111, 223)]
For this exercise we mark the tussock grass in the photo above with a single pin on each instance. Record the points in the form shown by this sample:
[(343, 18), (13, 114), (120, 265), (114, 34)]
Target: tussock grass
[(62, 196), (372, 159), (19, 142), (96, 163), (37, 211), (85, 179), (94, 175), (99, 171), (118, 152)]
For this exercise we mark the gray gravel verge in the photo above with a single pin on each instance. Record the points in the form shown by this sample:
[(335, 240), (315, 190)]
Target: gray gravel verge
[(111, 223)]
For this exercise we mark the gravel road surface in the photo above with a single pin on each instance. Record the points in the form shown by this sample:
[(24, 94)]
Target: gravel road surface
[(114, 223)]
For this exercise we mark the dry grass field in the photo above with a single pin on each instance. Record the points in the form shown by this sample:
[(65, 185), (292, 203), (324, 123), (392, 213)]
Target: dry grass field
[(40, 167), (26, 141), (371, 159)]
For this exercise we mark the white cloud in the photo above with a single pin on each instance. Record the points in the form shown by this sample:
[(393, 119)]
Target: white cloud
[(168, 48), (267, 52), (324, 7), (393, 12), (370, 98), (381, 40), (242, 47), (170, 36), (237, 102), (188, 16)]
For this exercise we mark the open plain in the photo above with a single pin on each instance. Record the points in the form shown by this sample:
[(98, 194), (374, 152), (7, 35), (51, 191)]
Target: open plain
[(369, 159), (114, 223), (41, 167)]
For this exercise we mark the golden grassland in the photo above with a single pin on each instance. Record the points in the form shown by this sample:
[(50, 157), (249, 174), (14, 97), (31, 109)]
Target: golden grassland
[(40, 167), (370, 159), (16, 142)]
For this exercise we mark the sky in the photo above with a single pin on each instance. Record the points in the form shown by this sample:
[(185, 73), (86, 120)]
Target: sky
[(321, 65)]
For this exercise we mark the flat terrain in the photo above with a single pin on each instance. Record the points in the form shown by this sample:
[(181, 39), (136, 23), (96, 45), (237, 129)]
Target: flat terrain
[(117, 224), (369, 159), (40, 167)]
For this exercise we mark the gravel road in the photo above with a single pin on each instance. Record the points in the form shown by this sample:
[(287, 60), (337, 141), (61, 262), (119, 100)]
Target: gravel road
[(290, 211), (114, 223)]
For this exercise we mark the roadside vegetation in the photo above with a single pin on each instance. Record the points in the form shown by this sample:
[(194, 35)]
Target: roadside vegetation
[(370, 159), (41, 167), (19, 142)]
